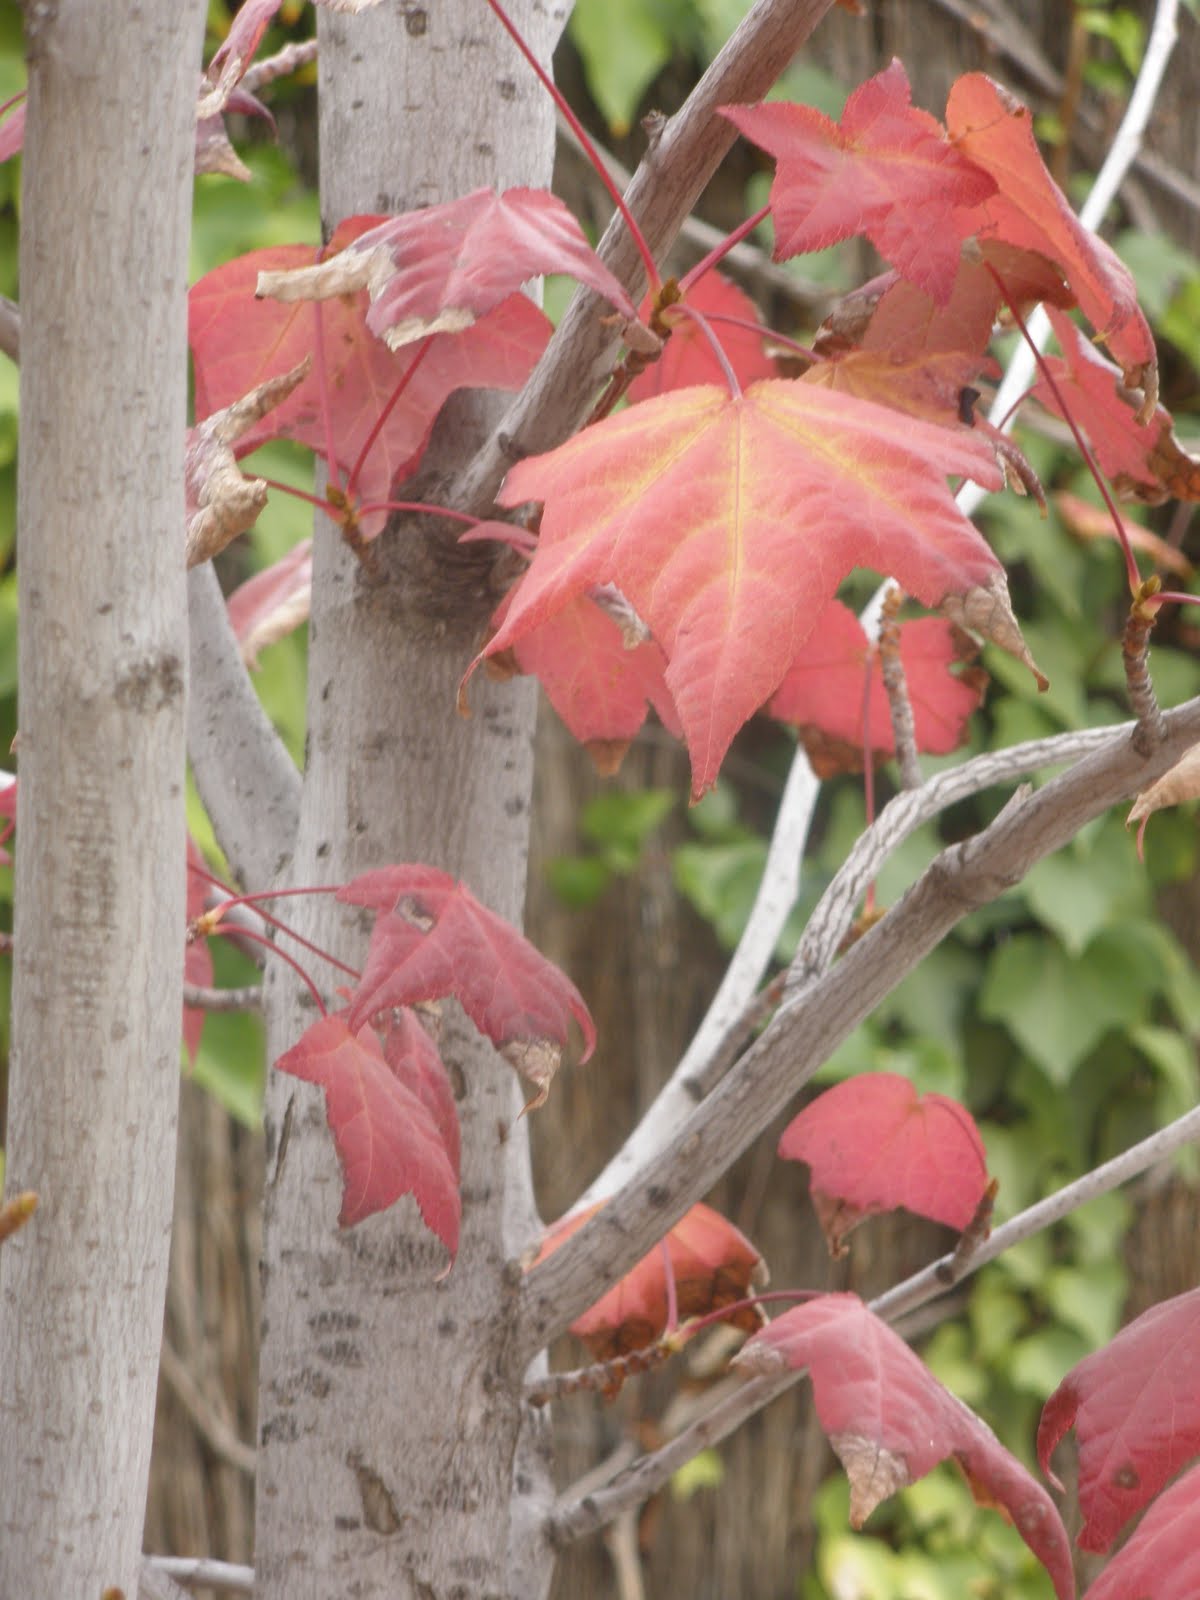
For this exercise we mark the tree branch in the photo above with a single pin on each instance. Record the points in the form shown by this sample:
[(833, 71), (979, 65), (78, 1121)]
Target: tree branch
[(677, 167), (247, 780), (193, 1573), (202, 999), (583, 1511), (815, 1021)]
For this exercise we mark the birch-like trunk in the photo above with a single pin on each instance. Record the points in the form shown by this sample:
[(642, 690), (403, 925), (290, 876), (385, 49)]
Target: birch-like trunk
[(393, 1445), (100, 848)]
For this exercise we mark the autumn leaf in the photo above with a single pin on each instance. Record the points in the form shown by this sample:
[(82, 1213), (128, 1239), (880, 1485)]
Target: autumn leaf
[(388, 1141), (439, 269), (1135, 1408), (729, 522), (1178, 784), (238, 341), (825, 691), (272, 603), (1162, 1559), (875, 1144), (432, 938), (1088, 522), (599, 683), (220, 502), (890, 1421), (688, 357), (236, 51), (713, 1265), (1029, 210), (1143, 459), (887, 170)]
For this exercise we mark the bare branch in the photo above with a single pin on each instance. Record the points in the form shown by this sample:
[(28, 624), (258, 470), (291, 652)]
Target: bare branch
[(582, 1512), (247, 780), (681, 160), (281, 65), (195, 1573), (247, 999), (814, 1022), (896, 687), (1135, 655)]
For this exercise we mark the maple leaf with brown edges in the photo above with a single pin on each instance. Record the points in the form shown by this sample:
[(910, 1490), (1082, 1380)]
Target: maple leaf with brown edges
[(890, 1421), (887, 170), (439, 269), (874, 1144), (238, 341), (1144, 460), (1028, 209), (728, 522), (1135, 1408), (713, 1265), (432, 938)]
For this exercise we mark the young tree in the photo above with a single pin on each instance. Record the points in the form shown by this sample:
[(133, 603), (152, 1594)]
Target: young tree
[(402, 1448)]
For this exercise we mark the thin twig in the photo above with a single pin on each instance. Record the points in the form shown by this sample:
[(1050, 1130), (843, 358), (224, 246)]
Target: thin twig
[(281, 65), (198, 1572), (1135, 654), (213, 1429), (900, 706), (202, 999), (806, 1030)]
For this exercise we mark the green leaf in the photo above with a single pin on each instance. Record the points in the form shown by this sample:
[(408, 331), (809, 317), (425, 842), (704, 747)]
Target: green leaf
[(578, 881), (1079, 892), (721, 881), (623, 48), (623, 821), (1058, 1007), (1089, 1299)]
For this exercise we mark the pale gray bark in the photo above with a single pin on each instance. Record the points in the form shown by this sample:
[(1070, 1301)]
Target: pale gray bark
[(100, 851), (390, 1412)]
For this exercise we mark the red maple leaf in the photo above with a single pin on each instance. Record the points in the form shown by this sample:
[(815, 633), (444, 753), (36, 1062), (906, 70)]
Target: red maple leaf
[(689, 358), (729, 522), (890, 1421), (8, 811), (874, 1144), (1135, 1407), (272, 603), (1162, 1559), (432, 938), (1142, 459), (597, 681), (1028, 209), (238, 341), (12, 129), (388, 1141), (887, 170), (439, 269), (824, 694), (713, 1265)]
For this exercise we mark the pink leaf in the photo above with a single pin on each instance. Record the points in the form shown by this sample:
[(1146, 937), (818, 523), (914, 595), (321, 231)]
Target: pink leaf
[(388, 1142), (438, 269), (890, 1421), (1162, 1559), (433, 938), (1135, 1407), (874, 1144), (272, 603)]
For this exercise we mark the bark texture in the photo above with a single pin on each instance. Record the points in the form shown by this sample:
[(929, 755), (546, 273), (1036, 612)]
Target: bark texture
[(391, 1452), (100, 901)]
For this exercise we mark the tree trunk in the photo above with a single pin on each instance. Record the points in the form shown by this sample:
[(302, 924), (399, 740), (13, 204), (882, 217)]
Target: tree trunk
[(100, 895), (390, 1414)]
